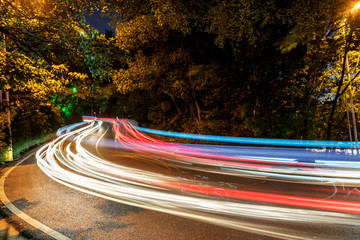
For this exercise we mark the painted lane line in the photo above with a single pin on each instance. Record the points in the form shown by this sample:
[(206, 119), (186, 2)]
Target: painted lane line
[(3, 198)]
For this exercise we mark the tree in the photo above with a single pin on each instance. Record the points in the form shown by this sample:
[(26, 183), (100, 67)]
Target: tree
[(47, 51), (206, 57), (269, 60), (323, 30)]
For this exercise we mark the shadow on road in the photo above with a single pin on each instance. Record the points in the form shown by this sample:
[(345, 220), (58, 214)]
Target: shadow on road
[(114, 209)]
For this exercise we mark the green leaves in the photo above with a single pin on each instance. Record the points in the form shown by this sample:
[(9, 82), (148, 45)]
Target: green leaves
[(253, 63), (47, 49), (267, 67)]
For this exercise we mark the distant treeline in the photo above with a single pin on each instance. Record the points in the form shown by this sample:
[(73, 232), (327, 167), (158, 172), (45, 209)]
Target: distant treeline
[(279, 69)]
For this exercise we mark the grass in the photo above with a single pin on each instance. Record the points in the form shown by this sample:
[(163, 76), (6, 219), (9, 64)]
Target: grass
[(26, 145), (23, 146)]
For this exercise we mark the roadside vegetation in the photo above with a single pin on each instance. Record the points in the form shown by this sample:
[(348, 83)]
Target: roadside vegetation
[(279, 69), (25, 145)]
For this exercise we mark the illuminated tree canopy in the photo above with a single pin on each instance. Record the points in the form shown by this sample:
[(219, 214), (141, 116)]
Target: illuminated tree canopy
[(266, 67), (47, 50), (238, 67)]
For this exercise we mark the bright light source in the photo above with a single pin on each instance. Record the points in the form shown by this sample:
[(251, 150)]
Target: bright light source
[(357, 6), (74, 89)]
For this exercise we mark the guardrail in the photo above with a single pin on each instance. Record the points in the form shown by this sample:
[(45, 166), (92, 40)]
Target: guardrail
[(243, 140)]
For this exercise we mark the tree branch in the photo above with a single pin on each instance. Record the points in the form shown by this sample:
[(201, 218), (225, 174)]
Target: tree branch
[(20, 43), (347, 85)]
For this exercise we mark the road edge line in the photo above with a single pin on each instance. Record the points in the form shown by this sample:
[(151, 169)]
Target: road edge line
[(3, 198)]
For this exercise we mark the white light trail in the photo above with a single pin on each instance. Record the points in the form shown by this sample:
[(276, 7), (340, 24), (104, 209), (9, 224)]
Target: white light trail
[(69, 160)]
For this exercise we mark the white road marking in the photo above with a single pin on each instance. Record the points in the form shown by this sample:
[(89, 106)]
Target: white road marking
[(49, 231)]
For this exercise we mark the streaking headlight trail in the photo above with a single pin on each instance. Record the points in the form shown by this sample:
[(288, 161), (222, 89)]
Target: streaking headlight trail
[(265, 190)]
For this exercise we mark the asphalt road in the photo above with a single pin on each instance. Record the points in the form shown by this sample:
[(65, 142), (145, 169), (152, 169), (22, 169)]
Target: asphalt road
[(81, 216), (70, 214)]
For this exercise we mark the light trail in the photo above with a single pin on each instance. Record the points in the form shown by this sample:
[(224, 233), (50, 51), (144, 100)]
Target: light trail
[(224, 185), (254, 141), (274, 169)]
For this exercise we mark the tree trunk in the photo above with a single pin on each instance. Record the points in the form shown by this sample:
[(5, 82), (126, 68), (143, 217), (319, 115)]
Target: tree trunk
[(340, 84)]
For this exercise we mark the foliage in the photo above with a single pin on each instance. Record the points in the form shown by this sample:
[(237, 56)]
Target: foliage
[(268, 67), (23, 146), (47, 50), (235, 67)]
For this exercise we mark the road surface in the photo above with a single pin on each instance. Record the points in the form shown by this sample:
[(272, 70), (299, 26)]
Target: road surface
[(79, 215), (104, 179)]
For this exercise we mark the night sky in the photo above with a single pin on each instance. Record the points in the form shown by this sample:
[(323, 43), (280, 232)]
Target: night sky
[(99, 23)]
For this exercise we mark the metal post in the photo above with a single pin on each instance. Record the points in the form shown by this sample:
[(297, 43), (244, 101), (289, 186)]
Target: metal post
[(353, 114), (1, 103), (351, 102), (348, 117), (9, 127)]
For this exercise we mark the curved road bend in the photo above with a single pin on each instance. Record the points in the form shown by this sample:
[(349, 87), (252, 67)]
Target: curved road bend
[(77, 215)]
